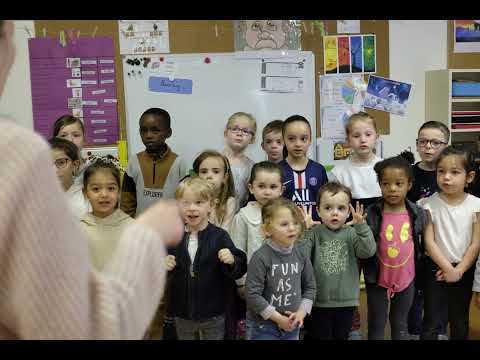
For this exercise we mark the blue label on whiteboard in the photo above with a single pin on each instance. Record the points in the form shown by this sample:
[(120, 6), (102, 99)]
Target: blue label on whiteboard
[(163, 84)]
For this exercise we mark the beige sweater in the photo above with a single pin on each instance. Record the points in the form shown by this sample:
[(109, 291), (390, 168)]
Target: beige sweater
[(48, 288), (104, 234)]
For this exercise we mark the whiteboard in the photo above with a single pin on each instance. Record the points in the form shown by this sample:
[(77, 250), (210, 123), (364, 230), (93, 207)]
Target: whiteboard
[(220, 88)]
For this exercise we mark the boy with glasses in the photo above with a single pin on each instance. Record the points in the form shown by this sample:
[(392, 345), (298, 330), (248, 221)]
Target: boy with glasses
[(433, 137)]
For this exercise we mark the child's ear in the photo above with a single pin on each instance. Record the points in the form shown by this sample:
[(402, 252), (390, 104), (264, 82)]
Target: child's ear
[(252, 140), (169, 133), (410, 184), (470, 176), (76, 165), (263, 147), (250, 188), (283, 188)]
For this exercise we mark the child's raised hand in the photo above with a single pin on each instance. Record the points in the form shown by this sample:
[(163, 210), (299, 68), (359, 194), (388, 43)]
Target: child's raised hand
[(171, 263), (309, 222), (226, 256), (358, 217)]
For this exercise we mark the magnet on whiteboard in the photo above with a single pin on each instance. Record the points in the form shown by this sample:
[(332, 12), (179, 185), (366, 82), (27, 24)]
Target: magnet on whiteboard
[(171, 77)]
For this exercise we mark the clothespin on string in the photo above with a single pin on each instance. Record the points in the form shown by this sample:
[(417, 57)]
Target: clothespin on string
[(95, 31), (62, 40), (28, 31), (71, 37), (44, 31), (216, 30)]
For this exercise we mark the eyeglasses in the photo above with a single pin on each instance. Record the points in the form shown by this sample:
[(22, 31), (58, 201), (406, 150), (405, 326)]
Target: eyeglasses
[(244, 132), (61, 163), (433, 143)]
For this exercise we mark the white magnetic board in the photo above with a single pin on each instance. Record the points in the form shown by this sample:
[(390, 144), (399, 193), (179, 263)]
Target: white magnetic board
[(220, 88)]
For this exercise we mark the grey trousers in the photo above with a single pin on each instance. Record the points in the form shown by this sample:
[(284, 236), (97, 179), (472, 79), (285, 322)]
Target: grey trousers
[(378, 312), (210, 329)]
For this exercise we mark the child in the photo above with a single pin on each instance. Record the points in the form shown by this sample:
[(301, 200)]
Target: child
[(106, 222), (280, 282), (393, 273), (71, 128), (433, 137), (452, 242), (65, 157), (272, 141), (239, 133), (265, 184), (155, 172), (215, 168), (302, 176), (357, 172), (200, 265), (334, 249)]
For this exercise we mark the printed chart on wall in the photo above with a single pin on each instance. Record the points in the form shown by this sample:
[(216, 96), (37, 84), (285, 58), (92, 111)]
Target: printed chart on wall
[(78, 79), (349, 54), (340, 97), (143, 37)]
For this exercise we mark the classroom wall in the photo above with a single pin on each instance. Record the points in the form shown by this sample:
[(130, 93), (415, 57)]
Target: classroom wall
[(16, 100), (415, 47)]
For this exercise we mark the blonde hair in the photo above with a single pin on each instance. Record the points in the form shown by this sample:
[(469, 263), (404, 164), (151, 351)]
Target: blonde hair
[(250, 117), (272, 206), (200, 187), (360, 116), (227, 190)]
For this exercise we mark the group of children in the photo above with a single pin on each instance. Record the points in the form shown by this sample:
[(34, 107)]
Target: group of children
[(279, 246)]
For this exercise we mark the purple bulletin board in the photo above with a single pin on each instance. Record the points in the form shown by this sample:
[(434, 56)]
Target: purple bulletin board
[(78, 79)]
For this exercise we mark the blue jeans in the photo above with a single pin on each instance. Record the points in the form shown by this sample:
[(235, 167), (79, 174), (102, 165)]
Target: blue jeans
[(270, 331)]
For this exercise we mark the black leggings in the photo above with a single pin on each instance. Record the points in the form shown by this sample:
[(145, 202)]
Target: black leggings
[(329, 323), (457, 295)]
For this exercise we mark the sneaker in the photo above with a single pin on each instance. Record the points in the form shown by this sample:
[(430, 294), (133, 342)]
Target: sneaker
[(355, 335), (442, 337)]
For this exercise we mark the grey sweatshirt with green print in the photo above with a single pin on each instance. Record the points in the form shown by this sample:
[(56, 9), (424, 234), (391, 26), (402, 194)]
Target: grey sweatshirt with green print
[(334, 256)]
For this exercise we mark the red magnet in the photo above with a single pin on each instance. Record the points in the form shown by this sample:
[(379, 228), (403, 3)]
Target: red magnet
[(207, 60)]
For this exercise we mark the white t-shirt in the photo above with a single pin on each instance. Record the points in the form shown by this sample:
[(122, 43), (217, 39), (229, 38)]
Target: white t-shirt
[(453, 225), (360, 178), (192, 246)]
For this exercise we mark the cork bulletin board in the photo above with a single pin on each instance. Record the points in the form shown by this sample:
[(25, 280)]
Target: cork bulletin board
[(211, 36)]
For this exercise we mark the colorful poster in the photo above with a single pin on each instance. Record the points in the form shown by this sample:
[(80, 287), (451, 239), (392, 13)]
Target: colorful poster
[(76, 79), (387, 95), (356, 54), (467, 36), (143, 37), (344, 55), (369, 56), (330, 54)]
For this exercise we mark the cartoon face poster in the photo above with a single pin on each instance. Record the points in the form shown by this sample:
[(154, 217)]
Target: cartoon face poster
[(254, 35)]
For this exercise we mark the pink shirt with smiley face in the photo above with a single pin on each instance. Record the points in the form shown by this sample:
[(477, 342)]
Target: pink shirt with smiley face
[(396, 253)]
